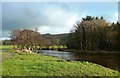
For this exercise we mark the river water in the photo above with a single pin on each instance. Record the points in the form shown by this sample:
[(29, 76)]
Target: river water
[(106, 60)]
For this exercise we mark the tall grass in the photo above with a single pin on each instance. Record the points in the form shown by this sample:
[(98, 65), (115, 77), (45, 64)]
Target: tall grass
[(54, 47)]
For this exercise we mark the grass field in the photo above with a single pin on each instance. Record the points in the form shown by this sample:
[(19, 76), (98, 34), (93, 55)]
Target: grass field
[(39, 65), (7, 53), (6, 47), (31, 64)]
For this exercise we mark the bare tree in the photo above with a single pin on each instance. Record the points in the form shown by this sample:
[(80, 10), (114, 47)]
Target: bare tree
[(26, 39)]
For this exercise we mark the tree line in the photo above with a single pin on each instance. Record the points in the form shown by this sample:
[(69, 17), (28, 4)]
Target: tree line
[(94, 33), (90, 33), (32, 40)]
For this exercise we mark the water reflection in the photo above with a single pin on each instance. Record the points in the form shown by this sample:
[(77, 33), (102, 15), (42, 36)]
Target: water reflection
[(63, 55)]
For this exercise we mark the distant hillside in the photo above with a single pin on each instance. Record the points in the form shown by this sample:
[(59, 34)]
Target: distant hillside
[(56, 36), (58, 39)]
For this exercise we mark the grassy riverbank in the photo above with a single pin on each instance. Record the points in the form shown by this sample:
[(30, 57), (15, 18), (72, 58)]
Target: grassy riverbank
[(31, 64), (39, 65)]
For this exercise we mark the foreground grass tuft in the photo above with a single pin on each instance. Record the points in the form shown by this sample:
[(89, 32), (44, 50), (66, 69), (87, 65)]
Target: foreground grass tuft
[(27, 64)]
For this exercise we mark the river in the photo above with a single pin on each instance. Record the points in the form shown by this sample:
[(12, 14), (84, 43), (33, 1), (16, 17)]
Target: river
[(106, 60)]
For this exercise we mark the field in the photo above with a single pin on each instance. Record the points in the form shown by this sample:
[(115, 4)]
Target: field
[(31, 64), (6, 47), (7, 53)]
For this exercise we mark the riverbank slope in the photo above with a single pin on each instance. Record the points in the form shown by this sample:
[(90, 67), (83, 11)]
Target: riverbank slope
[(31, 64)]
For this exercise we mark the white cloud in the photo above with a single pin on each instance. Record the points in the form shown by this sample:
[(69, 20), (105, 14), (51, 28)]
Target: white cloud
[(61, 21), (5, 38), (43, 29), (115, 17)]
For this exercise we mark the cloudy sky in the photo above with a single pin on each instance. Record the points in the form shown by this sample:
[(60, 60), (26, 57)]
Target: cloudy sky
[(52, 17)]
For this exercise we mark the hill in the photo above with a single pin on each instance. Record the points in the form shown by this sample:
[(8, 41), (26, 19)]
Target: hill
[(58, 39)]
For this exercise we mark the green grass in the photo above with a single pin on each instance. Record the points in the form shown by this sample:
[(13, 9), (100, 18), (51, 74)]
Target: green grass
[(31, 64), (39, 65), (7, 53), (6, 47)]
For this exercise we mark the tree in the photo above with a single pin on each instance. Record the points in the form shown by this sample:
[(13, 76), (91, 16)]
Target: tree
[(88, 18), (101, 17), (26, 39), (114, 36), (90, 34)]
